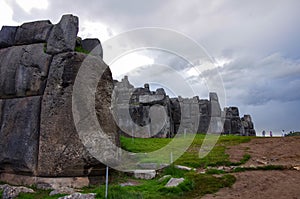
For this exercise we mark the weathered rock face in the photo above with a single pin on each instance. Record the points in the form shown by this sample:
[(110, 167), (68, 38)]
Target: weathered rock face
[(63, 35), (7, 36), (19, 132), (69, 157), (33, 32), (37, 133), (23, 70)]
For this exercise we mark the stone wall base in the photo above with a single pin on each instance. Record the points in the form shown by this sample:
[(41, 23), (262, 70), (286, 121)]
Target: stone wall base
[(50, 183)]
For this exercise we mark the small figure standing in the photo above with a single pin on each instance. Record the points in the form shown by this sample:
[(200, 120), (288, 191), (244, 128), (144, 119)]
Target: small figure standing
[(282, 133), (271, 134), (264, 133)]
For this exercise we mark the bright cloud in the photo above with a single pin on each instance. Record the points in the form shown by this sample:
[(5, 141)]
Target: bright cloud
[(129, 62), (28, 5), (89, 29), (6, 14)]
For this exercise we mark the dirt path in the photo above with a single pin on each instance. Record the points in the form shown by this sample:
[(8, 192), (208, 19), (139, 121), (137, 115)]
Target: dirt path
[(262, 185), (268, 151), (270, 184)]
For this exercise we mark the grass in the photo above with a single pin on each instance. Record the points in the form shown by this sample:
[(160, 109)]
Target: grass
[(264, 168), (216, 157), (207, 184), (81, 50), (195, 184), (140, 145), (39, 194)]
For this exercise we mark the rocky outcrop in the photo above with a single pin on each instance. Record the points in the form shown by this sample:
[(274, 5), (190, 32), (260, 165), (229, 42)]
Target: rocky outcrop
[(38, 67)]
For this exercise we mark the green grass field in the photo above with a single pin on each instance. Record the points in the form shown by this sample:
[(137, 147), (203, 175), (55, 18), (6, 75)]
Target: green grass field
[(195, 184)]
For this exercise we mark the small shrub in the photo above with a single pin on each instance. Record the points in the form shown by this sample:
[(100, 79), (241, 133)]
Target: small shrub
[(214, 171), (268, 167), (117, 192), (174, 172), (81, 50), (185, 186)]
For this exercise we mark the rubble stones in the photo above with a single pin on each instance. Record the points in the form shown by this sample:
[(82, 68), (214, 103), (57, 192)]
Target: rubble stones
[(145, 174), (79, 196), (62, 190), (10, 192), (174, 182)]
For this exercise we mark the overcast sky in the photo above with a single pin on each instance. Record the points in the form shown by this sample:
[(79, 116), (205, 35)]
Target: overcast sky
[(254, 44)]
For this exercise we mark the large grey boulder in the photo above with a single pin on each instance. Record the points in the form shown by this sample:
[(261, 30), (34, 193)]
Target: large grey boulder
[(62, 190), (19, 133), (7, 36), (63, 35), (33, 32), (93, 46), (23, 70)]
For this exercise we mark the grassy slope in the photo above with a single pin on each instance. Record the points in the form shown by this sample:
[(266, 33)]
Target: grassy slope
[(195, 184), (191, 157)]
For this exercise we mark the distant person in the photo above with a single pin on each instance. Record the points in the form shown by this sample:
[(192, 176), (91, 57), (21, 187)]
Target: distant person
[(264, 133), (282, 133), (271, 134)]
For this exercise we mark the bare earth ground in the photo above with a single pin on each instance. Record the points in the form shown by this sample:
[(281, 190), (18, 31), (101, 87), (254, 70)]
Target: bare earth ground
[(275, 184)]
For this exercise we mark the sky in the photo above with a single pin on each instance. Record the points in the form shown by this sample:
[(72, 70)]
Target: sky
[(254, 46)]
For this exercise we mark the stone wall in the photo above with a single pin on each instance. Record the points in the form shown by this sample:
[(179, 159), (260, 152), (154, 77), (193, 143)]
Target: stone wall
[(38, 66), (183, 115)]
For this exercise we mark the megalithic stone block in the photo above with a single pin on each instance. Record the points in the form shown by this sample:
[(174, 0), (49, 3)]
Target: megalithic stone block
[(61, 152), (23, 70), (63, 35), (19, 133), (33, 32), (7, 36)]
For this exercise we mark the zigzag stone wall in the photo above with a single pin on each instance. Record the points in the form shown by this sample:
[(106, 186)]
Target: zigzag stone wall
[(183, 115)]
